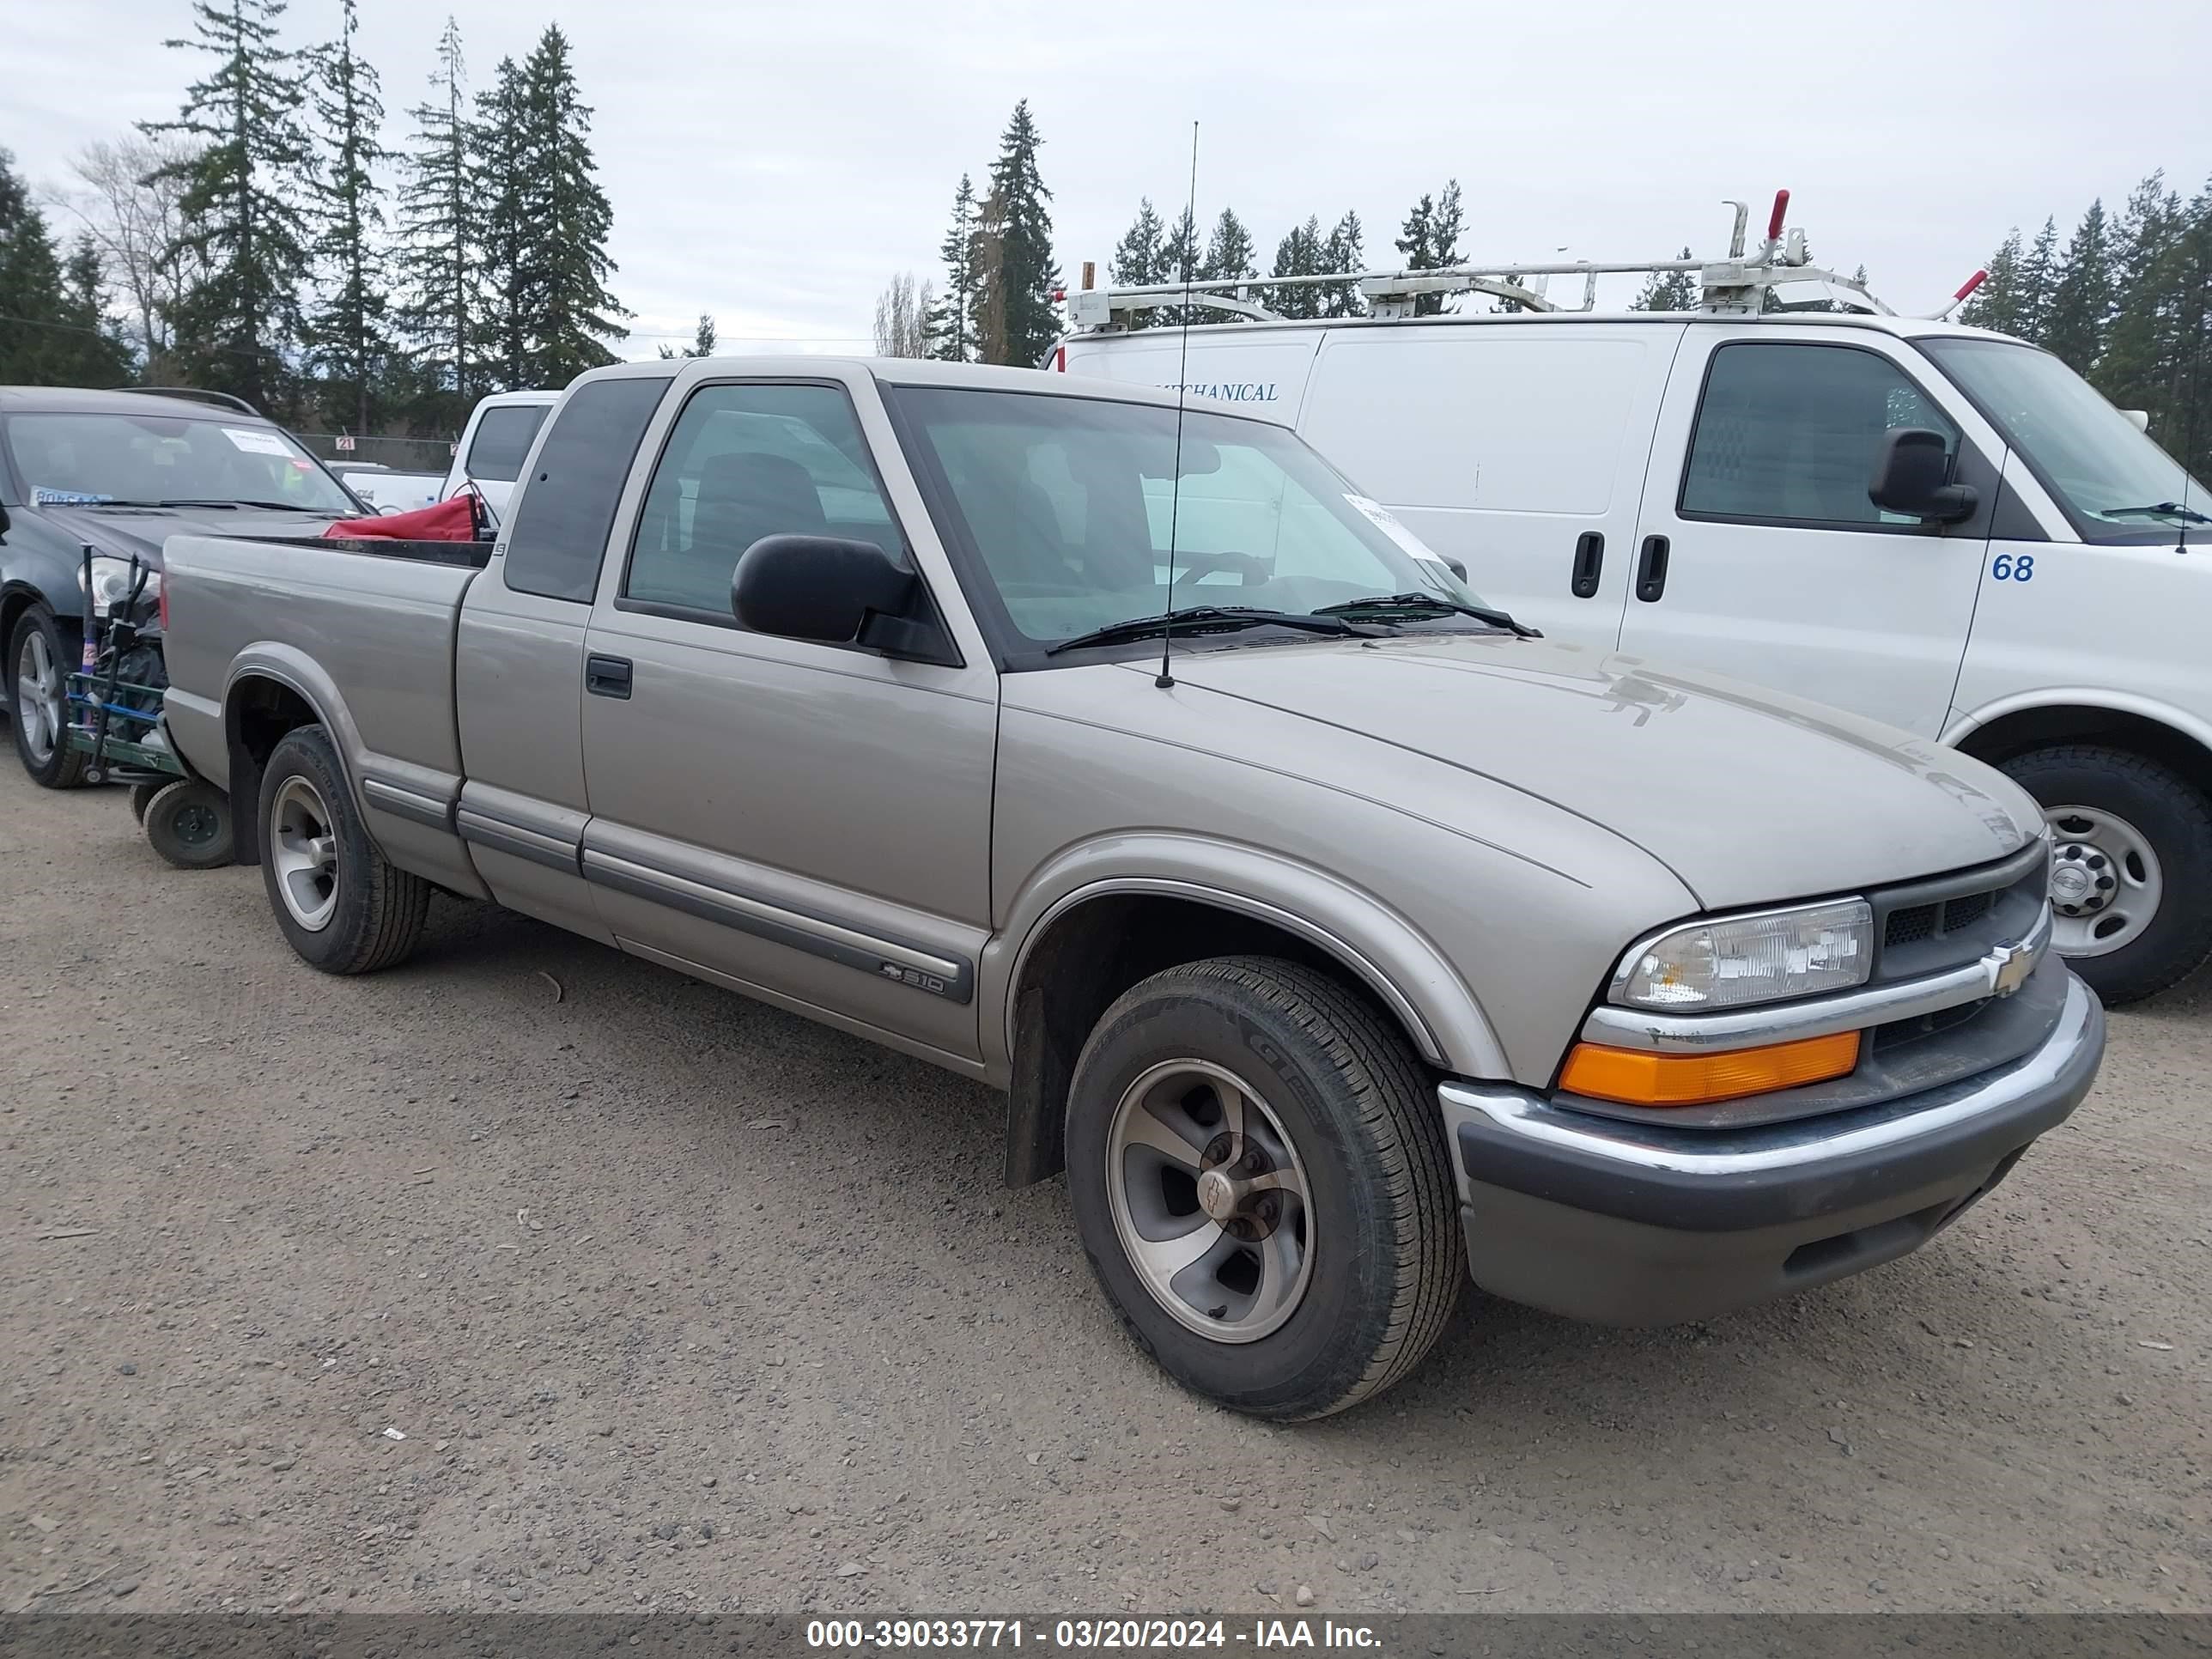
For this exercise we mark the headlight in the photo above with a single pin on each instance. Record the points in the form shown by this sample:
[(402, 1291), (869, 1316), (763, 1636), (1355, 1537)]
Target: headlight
[(1734, 960), (111, 583)]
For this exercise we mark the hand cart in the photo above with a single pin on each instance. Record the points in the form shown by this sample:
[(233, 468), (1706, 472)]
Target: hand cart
[(115, 702)]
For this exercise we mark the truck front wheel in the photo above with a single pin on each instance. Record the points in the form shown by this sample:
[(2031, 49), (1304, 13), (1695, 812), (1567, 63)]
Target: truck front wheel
[(341, 905), (1259, 1174), (2131, 866)]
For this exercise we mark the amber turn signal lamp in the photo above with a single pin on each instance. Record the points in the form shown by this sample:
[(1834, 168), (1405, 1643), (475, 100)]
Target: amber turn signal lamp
[(1636, 1079)]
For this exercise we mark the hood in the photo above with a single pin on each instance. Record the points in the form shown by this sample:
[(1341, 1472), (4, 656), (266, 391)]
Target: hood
[(1750, 797), (124, 530)]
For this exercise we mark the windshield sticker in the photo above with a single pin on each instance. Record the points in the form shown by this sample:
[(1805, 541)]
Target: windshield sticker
[(1382, 518), (42, 496), (257, 443)]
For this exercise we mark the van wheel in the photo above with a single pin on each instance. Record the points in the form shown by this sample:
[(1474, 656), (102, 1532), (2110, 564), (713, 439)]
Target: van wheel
[(188, 823), (1260, 1178), (340, 904), (41, 660), (2131, 866)]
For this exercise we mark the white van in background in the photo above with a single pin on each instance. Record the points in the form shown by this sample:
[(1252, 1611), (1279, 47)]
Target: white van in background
[(495, 443), (1934, 525)]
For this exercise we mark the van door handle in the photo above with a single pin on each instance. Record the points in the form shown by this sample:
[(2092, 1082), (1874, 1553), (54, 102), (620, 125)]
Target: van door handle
[(1651, 569), (607, 677), (1589, 564)]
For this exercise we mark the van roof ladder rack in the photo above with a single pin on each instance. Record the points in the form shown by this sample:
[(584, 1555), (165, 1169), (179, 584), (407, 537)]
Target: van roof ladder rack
[(1736, 286)]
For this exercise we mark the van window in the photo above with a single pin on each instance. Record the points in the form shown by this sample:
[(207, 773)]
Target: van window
[(502, 441), (745, 462), (1789, 434), (558, 534)]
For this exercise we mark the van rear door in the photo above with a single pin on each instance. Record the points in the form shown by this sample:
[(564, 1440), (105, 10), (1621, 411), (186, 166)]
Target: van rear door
[(1516, 446), (1760, 554)]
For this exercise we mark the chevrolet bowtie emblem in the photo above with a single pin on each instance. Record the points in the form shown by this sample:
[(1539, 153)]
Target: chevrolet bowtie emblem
[(2012, 965)]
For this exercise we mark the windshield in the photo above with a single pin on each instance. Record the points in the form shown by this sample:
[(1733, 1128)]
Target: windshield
[(2083, 450), (88, 459), (1069, 504)]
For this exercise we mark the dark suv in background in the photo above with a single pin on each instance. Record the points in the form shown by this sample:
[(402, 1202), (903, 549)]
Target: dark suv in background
[(119, 472)]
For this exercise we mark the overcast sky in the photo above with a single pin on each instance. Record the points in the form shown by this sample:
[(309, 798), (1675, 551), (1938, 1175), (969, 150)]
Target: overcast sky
[(774, 164)]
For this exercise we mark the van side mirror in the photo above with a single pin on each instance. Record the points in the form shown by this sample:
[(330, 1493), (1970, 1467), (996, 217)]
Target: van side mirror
[(1912, 476), (5, 523), (834, 591)]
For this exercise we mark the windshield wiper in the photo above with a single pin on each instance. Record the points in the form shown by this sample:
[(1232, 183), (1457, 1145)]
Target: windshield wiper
[(247, 501), (2156, 510), (1408, 607), (1204, 619)]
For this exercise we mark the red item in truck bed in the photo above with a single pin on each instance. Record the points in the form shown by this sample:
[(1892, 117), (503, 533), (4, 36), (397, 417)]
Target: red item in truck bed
[(453, 521)]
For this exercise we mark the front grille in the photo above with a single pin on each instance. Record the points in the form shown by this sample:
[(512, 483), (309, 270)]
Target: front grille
[(1913, 923), (1929, 927)]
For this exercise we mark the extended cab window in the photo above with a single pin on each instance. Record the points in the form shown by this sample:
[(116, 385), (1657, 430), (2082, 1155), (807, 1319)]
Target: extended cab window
[(559, 532), (1789, 434), (502, 441), (745, 462)]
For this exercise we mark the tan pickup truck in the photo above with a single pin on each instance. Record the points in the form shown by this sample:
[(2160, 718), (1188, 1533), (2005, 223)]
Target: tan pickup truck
[(1335, 936)]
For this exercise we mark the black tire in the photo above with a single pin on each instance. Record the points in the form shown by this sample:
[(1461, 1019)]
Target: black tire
[(63, 767), (1386, 1257), (379, 911), (2175, 818), (188, 823), (141, 795)]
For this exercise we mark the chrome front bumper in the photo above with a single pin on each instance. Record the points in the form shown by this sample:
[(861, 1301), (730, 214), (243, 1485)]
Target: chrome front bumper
[(1638, 1223)]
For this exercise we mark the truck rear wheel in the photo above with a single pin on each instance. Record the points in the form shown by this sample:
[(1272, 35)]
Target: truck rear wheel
[(2131, 866), (1260, 1178), (41, 660), (340, 904)]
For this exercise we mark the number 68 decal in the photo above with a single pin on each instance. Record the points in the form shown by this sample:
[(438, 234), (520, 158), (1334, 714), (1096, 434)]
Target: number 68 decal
[(2013, 568)]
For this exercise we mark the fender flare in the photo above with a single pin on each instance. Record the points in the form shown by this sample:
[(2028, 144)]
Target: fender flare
[(299, 673), (1382, 947), (2055, 697)]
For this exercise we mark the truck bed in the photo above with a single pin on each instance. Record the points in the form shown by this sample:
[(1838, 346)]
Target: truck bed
[(375, 619)]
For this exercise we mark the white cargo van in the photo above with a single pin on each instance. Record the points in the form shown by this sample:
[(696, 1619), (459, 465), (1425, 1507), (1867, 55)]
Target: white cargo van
[(495, 443), (2027, 575)]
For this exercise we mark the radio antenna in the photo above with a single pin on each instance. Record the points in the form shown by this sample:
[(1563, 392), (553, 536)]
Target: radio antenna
[(1166, 680)]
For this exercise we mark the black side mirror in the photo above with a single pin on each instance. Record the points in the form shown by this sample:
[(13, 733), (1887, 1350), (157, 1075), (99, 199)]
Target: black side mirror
[(1912, 476), (5, 522), (837, 592)]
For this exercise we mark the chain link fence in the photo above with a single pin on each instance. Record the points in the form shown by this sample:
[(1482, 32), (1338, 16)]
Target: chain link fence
[(399, 454)]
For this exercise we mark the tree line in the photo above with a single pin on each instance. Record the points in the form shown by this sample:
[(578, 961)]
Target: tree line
[(2127, 303), (266, 242)]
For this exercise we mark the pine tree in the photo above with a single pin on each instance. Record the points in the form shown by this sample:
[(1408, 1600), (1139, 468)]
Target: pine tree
[(2140, 366), (1343, 251), (702, 342), (1430, 241), (1136, 261), (438, 251), (569, 220), (241, 224), (1302, 252), (508, 276), (1669, 290), (2039, 282), (1016, 321), (1997, 303), (349, 331), (1228, 249), (2082, 299), (952, 317), (1180, 260), (53, 329)]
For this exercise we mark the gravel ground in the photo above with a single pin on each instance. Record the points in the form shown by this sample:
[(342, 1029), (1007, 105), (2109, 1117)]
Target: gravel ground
[(683, 1303)]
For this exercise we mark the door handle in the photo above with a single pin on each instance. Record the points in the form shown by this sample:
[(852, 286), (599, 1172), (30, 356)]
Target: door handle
[(1589, 563), (1651, 569), (607, 677)]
